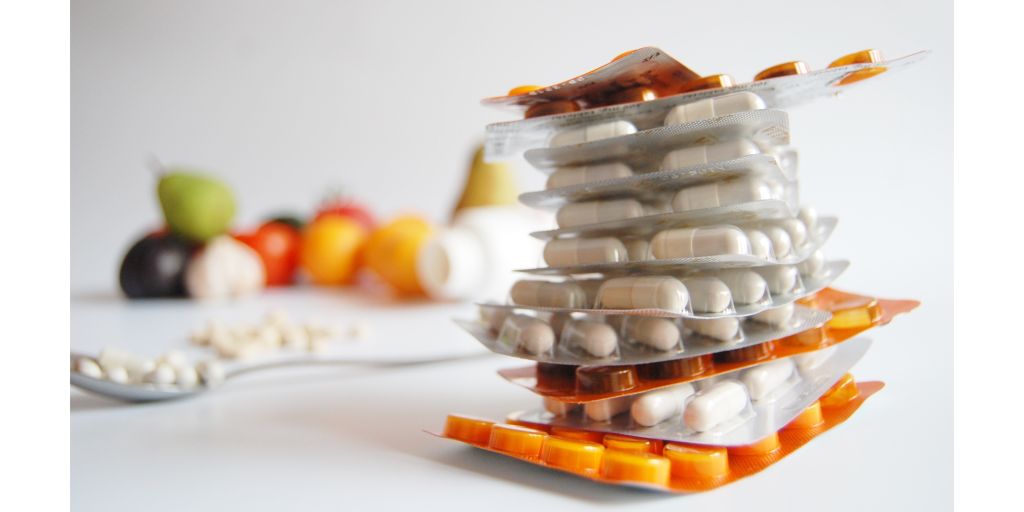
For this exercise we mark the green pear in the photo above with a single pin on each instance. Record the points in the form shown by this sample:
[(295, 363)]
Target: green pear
[(196, 206)]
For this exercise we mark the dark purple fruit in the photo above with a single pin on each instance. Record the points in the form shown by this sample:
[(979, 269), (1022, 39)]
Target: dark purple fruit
[(155, 267)]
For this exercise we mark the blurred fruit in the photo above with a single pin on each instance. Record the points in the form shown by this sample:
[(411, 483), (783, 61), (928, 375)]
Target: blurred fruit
[(488, 184), (291, 220), (155, 266), (197, 207), (224, 268), (332, 249), (347, 208), (391, 252), (278, 245)]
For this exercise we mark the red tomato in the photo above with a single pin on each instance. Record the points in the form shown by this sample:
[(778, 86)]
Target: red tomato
[(347, 208), (277, 244)]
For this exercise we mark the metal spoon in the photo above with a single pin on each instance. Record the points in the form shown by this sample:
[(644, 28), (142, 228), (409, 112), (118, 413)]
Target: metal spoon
[(142, 392)]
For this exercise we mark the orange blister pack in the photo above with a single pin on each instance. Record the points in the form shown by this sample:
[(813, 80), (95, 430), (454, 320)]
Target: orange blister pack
[(653, 464), (852, 315)]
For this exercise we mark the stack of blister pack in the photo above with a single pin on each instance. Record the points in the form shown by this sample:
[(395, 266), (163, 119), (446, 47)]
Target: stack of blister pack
[(683, 330)]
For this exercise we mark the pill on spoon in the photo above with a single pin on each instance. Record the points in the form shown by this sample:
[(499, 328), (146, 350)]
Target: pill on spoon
[(89, 368), (162, 374)]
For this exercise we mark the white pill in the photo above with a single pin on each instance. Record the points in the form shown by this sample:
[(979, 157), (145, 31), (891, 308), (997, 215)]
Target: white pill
[(570, 176), (652, 292), (708, 294), (700, 155), (654, 332), (795, 228), (584, 251), (782, 244), (592, 212), (812, 360), (89, 368), (186, 376), (596, 338), (212, 372), (779, 316), (781, 279), (747, 286), (654, 407), (117, 374), (809, 216), (527, 334), (174, 359), (493, 317), (638, 249), (162, 374), (136, 366), (714, 107), (764, 378), (549, 294), (605, 410), (555, 320), (715, 405), (592, 133), (698, 242), (724, 329), (559, 408), (813, 266), (760, 244), (721, 193)]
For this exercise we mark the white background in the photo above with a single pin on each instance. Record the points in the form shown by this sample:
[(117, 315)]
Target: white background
[(286, 101)]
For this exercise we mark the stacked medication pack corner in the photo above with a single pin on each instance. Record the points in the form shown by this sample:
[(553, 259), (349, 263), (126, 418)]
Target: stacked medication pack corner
[(683, 330)]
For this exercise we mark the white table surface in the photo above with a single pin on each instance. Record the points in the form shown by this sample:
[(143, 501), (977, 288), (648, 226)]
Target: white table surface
[(331, 438)]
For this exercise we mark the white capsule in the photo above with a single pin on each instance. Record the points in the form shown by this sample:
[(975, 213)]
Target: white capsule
[(592, 212), (570, 176), (747, 286), (527, 334), (724, 329), (700, 155), (493, 317), (796, 230), (605, 410), (812, 360), (809, 216), (715, 405), (657, 333), (720, 193), (779, 316), (764, 378), (136, 366), (654, 407), (116, 374), (186, 376), (698, 242), (549, 294), (596, 338), (813, 266), (638, 249), (584, 251), (559, 408), (782, 245), (760, 244), (89, 368), (162, 374), (652, 292), (592, 133), (714, 107), (781, 279), (212, 372), (708, 294), (174, 359)]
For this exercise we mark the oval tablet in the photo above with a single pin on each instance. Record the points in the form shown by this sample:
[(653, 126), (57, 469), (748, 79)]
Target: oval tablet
[(708, 295), (549, 294), (809, 216), (592, 133), (605, 410), (698, 242), (722, 193), (570, 176), (763, 379), (655, 292), (592, 212), (760, 244), (724, 329), (657, 406), (782, 244), (584, 251), (781, 279), (813, 266), (779, 316), (796, 230), (527, 334), (715, 405), (714, 107), (709, 154), (812, 360), (596, 338), (657, 333), (746, 286)]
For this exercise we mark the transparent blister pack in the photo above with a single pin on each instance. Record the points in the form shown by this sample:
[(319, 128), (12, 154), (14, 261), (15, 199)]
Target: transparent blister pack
[(580, 339), (633, 250), (852, 315), (731, 409), (576, 109), (706, 294), (672, 147)]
